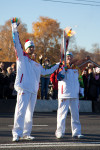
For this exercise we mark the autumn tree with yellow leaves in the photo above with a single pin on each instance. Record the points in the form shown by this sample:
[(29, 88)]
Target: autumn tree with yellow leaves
[(47, 36)]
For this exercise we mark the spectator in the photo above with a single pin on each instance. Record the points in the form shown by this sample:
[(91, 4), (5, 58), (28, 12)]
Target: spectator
[(93, 83), (2, 76), (34, 56), (40, 59), (45, 80), (85, 81), (93, 87), (13, 67), (1, 66), (54, 81), (1, 85), (5, 84), (90, 68), (10, 80), (97, 78)]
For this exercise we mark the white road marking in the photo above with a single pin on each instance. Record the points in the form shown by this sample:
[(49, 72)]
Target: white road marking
[(40, 125), (33, 125), (50, 144)]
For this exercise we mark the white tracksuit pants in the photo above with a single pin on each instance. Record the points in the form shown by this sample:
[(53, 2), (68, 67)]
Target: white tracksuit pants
[(24, 113), (62, 111)]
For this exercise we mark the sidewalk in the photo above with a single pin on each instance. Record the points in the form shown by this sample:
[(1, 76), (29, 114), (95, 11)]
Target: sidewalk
[(7, 106)]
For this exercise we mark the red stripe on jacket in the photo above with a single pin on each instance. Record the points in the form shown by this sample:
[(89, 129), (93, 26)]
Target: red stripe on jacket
[(62, 89), (21, 78)]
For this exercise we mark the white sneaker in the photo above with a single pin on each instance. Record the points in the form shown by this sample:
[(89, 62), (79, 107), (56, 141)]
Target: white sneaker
[(27, 137), (59, 136), (80, 136), (15, 139)]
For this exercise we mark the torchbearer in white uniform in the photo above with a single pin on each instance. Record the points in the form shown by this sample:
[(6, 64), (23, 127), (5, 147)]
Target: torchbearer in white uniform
[(68, 97), (26, 85)]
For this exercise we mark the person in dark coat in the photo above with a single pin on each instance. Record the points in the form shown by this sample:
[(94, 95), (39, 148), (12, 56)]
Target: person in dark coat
[(93, 84), (85, 81), (10, 80)]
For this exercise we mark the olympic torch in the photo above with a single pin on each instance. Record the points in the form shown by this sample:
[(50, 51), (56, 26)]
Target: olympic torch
[(67, 34)]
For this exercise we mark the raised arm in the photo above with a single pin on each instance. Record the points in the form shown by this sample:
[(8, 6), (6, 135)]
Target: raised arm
[(16, 40)]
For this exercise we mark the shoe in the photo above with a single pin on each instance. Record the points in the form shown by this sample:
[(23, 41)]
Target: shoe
[(15, 139), (80, 136), (59, 136), (26, 137)]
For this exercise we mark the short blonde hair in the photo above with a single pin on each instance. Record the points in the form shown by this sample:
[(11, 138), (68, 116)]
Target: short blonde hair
[(9, 68)]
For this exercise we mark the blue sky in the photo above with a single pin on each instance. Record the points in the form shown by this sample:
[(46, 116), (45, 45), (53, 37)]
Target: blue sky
[(85, 20)]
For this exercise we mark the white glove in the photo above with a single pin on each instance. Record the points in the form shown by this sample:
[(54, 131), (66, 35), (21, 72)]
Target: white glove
[(82, 91), (14, 24)]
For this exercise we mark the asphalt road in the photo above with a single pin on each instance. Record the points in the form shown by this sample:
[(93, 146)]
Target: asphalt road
[(44, 131)]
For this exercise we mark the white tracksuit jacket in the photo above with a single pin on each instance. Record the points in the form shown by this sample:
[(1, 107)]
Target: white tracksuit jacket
[(69, 86), (28, 71)]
